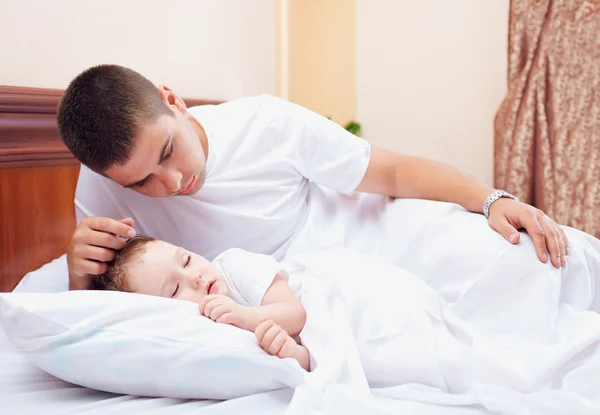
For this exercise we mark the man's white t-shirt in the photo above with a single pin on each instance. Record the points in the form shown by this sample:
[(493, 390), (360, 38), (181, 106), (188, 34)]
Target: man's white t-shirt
[(273, 171), (248, 275)]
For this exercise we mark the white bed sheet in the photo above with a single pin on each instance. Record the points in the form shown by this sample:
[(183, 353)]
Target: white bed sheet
[(27, 390)]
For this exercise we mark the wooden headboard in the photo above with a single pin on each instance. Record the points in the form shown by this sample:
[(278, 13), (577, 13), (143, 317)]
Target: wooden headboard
[(38, 176)]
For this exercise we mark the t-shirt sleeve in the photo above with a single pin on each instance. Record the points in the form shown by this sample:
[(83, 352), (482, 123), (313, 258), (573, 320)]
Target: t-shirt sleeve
[(248, 275), (321, 150)]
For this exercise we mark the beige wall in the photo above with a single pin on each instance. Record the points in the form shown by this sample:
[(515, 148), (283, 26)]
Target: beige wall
[(423, 77), (201, 48), (318, 56), (430, 76)]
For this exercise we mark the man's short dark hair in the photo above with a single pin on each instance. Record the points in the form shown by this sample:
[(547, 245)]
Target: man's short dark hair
[(101, 112)]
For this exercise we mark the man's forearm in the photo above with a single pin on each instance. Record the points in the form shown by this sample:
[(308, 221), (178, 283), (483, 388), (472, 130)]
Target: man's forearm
[(427, 179), (402, 176)]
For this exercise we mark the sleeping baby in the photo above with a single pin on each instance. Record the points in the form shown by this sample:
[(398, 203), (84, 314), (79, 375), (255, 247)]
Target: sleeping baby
[(247, 290), (503, 333)]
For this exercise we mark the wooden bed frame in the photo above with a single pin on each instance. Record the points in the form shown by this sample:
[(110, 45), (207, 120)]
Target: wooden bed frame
[(38, 176)]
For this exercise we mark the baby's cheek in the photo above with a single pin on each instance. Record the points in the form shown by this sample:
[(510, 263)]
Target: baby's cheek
[(192, 296), (224, 289)]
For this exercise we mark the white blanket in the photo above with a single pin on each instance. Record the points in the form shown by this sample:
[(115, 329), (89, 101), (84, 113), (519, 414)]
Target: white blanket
[(504, 332), (520, 342)]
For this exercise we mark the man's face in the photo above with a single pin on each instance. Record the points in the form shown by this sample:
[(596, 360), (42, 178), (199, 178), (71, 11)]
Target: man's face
[(168, 158)]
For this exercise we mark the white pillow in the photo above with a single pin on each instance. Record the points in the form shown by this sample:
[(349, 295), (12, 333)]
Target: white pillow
[(140, 345), (52, 277)]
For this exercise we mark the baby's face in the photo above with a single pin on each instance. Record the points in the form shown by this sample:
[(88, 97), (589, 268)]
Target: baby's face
[(166, 270)]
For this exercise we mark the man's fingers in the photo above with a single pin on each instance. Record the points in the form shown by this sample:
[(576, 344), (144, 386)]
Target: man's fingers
[(86, 267), (110, 225), (127, 221), (561, 244), (505, 229), (564, 238), (94, 253), (538, 236), (87, 236), (550, 239)]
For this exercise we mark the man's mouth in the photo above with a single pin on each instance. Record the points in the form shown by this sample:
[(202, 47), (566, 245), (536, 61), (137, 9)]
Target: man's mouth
[(189, 187)]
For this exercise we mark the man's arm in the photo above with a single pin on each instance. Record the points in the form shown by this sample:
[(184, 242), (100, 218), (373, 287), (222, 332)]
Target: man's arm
[(404, 176)]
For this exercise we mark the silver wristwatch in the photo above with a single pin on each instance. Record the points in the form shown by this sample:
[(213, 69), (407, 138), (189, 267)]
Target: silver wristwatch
[(492, 198)]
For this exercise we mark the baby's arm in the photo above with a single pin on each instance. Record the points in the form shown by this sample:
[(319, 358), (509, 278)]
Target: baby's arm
[(275, 341), (280, 305)]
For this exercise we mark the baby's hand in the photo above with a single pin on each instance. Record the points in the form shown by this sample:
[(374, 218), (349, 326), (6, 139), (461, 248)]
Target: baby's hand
[(275, 341), (223, 309)]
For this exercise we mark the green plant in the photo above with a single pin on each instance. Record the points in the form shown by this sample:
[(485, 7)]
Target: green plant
[(352, 127)]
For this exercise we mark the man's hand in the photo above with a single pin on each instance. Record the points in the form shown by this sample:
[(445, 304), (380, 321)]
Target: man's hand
[(507, 216), (275, 341), (93, 244), (222, 309)]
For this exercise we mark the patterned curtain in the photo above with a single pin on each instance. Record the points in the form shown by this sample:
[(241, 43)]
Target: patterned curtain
[(547, 130)]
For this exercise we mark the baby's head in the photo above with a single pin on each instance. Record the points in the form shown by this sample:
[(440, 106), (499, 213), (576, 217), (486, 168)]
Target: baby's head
[(149, 266)]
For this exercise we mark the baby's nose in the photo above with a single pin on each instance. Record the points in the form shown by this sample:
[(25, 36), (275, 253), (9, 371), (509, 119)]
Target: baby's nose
[(198, 280)]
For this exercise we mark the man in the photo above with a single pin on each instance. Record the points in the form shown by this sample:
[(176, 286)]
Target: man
[(258, 173)]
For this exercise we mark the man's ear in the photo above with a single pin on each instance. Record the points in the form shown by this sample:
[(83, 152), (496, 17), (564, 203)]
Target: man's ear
[(171, 98)]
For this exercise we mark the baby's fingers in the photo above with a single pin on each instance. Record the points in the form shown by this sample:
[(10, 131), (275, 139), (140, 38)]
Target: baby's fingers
[(262, 328), (270, 337), (226, 318), (218, 311), (208, 305), (277, 343)]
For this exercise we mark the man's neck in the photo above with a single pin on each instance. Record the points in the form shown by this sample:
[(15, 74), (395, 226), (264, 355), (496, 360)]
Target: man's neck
[(201, 133)]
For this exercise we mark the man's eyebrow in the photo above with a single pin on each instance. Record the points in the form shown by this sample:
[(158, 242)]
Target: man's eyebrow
[(161, 158)]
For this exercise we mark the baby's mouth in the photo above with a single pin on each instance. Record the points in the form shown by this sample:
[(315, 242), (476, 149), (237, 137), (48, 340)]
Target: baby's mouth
[(209, 287)]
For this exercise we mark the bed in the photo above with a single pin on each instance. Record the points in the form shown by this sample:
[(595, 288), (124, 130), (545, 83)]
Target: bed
[(37, 184)]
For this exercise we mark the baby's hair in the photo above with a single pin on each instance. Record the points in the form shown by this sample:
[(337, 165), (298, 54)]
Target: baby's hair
[(115, 277)]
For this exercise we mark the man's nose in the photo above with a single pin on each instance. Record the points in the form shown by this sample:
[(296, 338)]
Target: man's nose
[(172, 180)]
